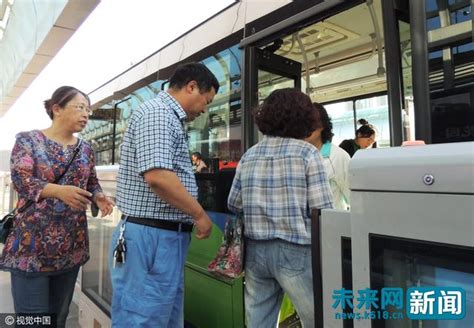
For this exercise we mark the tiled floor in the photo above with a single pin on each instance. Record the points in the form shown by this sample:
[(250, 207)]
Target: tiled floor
[(6, 302)]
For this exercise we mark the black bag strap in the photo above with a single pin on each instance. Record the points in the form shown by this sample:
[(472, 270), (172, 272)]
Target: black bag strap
[(74, 155)]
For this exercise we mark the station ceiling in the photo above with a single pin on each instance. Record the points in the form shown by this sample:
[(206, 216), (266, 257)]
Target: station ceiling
[(31, 34)]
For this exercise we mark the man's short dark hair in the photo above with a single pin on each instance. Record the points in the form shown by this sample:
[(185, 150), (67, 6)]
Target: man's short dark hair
[(287, 113), (197, 155), (194, 72)]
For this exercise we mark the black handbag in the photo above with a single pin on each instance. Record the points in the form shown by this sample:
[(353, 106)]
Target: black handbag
[(7, 221)]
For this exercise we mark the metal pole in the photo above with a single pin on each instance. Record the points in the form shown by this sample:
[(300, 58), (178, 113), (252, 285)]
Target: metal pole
[(393, 67), (420, 71), (115, 127), (316, 268), (2, 195), (249, 93)]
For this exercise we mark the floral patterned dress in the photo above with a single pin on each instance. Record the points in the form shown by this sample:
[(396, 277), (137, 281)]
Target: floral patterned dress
[(49, 236)]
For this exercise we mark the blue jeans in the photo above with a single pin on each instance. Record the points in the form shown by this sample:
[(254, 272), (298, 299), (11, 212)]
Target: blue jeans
[(47, 294), (272, 268), (148, 289)]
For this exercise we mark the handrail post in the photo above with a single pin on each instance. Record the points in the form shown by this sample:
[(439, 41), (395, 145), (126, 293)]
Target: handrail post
[(316, 266)]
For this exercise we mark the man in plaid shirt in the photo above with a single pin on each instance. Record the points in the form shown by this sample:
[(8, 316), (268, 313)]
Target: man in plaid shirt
[(277, 184), (157, 193)]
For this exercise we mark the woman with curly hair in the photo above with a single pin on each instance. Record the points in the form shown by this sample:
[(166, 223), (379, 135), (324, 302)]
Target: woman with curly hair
[(277, 184)]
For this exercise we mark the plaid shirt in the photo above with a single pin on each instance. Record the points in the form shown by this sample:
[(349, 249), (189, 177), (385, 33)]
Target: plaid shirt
[(155, 139), (277, 183)]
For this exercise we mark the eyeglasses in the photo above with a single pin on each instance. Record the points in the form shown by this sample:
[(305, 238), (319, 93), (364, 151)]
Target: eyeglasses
[(82, 108)]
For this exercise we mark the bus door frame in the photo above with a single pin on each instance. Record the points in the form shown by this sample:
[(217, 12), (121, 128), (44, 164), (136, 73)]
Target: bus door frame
[(258, 59)]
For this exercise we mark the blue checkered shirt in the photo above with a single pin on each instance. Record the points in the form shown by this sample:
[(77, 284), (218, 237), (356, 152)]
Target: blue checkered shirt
[(155, 139), (277, 183)]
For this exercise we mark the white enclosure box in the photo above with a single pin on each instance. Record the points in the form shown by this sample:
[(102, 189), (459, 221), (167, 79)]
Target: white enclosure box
[(412, 222)]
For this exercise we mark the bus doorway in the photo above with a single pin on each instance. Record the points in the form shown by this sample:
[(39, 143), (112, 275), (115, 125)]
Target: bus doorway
[(338, 62), (275, 71), (267, 72), (342, 66)]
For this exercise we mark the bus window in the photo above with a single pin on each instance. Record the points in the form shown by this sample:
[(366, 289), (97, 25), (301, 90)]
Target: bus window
[(342, 116), (216, 135), (100, 130), (450, 75), (375, 111), (342, 60)]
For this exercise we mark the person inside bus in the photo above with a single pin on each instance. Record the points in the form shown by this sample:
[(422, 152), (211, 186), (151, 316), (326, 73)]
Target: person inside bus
[(49, 238), (277, 184), (336, 160), (157, 194), (198, 163), (365, 138)]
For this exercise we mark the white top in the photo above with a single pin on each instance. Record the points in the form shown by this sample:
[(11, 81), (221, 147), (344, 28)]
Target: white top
[(336, 165)]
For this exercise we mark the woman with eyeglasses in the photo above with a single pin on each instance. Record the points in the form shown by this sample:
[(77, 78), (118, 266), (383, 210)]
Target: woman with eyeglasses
[(49, 239), (365, 138)]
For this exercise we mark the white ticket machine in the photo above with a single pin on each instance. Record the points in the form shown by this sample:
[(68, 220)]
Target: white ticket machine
[(412, 225)]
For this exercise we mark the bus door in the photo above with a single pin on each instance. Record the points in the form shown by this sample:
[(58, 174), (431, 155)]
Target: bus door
[(268, 72), (271, 72), (275, 72)]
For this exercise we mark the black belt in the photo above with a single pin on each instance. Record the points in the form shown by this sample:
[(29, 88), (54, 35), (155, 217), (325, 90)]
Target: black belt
[(161, 224)]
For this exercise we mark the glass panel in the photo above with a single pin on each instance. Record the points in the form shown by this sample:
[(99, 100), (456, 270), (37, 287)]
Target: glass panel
[(451, 75), (375, 111), (453, 115), (96, 272), (406, 263), (342, 52), (99, 130), (339, 54), (216, 135), (268, 82), (408, 111), (340, 63), (342, 116), (450, 69)]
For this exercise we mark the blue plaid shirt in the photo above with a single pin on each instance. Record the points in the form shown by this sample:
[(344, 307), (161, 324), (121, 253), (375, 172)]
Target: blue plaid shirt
[(277, 183), (155, 139)]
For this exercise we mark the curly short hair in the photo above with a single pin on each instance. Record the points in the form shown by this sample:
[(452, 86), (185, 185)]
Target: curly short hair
[(287, 113), (326, 134)]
